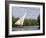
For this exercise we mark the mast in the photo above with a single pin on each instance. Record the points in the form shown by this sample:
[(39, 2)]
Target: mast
[(21, 20)]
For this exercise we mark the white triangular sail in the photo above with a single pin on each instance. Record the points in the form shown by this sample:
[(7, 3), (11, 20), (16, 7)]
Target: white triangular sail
[(21, 20)]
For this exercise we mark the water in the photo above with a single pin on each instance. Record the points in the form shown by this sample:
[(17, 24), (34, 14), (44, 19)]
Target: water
[(26, 28)]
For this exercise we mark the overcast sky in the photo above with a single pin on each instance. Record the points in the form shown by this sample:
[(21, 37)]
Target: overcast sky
[(32, 12)]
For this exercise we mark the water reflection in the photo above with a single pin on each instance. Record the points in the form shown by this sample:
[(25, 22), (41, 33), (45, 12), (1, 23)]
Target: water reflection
[(25, 28)]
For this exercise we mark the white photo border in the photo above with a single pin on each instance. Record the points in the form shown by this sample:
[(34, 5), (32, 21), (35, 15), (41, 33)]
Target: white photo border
[(25, 32)]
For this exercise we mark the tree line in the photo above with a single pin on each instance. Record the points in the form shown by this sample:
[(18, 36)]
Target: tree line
[(27, 22)]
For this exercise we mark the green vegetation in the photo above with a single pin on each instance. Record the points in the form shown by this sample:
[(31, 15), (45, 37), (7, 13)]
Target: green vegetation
[(27, 22)]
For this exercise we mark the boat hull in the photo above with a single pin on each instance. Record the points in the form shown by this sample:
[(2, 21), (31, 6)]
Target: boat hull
[(19, 26)]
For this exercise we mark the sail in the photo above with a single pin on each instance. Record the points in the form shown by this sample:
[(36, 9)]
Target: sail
[(21, 20)]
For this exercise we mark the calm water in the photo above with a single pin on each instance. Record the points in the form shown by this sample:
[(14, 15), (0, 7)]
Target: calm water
[(26, 28)]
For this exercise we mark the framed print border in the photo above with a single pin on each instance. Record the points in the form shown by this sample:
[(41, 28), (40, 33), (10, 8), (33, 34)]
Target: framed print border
[(7, 18)]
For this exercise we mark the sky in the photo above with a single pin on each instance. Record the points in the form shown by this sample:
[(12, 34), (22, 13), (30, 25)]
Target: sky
[(32, 12)]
